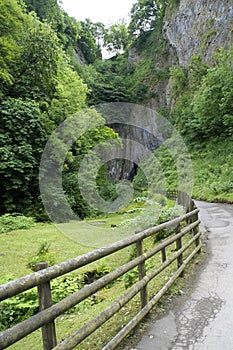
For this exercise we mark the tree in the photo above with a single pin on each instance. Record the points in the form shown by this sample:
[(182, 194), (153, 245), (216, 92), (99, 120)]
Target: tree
[(179, 76), (69, 97), (64, 154), (144, 16), (204, 107), (22, 138), (89, 41), (36, 67), (68, 31), (30, 52), (212, 103), (108, 80), (45, 9), (116, 37), (11, 24), (94, 182)]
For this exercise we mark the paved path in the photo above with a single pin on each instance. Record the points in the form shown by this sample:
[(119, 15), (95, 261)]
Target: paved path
[(204, 319)]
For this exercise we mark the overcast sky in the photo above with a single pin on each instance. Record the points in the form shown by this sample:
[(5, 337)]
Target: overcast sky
[(105, 11)]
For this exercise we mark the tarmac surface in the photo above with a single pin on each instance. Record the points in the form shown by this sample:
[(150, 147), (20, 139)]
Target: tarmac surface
[(202, 320)]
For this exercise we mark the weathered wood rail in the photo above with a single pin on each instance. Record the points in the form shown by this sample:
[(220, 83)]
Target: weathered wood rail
[(48, 313)]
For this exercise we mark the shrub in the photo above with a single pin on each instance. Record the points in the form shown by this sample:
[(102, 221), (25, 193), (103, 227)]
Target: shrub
[(17, 308), (11, 222), (132, 277), (24, 305)]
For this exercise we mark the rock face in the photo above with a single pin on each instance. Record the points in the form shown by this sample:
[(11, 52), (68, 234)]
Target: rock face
[(199, 27), (141, 131), (190, 27), (79, 56), (137, 144)]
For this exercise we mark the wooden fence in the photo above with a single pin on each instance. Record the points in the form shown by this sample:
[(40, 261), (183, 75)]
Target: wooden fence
[(48, 313)]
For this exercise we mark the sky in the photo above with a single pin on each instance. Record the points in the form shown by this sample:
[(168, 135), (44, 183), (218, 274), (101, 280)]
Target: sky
[(105, 11)]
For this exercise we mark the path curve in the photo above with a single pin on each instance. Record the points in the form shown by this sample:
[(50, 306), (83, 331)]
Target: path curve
[(204, 319)]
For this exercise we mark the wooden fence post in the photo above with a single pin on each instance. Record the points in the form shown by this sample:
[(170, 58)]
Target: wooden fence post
[(45, 301), (179, 246), (142, 273), (163, 252), (195, 232)]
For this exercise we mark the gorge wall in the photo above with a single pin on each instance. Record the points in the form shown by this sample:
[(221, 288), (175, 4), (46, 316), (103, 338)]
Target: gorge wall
[(199, 27), (191, 27)]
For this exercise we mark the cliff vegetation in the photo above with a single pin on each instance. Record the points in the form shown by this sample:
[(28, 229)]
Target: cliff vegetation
[(175, 56)]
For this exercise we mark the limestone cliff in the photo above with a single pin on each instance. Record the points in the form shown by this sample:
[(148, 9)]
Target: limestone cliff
[(199, 27), (79, 56), (192, 27), (137, 143)]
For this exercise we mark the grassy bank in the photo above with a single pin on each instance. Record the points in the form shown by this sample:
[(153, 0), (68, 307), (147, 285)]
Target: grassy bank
[(213, 171), (69, 322), (17, 247)]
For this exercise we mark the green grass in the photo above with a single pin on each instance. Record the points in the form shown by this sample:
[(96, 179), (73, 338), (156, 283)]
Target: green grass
[(68, 323), (213, 171), (212, 165), (18, 246), (66, 240)]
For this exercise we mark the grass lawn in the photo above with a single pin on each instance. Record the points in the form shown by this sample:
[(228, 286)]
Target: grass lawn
[(16, 248), (66, 241)]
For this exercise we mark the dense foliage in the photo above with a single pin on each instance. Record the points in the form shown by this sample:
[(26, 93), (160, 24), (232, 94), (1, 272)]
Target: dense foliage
[(51, 67), (117, 37), (144, 16), (39, 89), (203, 95), (10, 222), (20, 307), (22, 138), (203, 114)]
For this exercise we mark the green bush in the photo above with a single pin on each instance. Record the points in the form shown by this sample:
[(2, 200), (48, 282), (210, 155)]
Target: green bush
[(11, 222), (168, 213), (17, 308), (63, 286), (25, 305)]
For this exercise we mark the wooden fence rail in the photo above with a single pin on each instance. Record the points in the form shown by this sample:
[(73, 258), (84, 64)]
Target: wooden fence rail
[(48, 313)]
